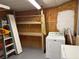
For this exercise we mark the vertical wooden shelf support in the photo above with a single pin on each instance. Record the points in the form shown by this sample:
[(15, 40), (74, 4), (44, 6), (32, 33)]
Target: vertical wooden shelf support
[(43, 28), (43, 23)]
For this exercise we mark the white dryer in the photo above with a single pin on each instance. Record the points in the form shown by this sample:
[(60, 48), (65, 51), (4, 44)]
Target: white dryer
[(53, 45)]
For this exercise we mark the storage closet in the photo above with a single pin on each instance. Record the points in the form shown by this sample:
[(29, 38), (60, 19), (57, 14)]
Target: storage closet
[(32, 27)]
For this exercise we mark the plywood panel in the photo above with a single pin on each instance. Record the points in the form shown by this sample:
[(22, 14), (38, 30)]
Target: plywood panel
[(52, 25), (51, 14), (34, 42), (29, 12), (25, 18), (29, 28), (2, 14)]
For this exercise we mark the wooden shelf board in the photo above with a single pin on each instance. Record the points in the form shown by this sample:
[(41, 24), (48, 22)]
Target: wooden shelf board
[(30, 34), (30, 16), (29, 22), (52, 21)]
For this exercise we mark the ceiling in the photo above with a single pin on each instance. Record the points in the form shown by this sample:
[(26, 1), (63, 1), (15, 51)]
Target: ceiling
[(21, 5)]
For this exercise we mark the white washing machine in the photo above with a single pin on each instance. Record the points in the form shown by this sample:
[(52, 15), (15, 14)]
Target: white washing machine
[(53, 45)]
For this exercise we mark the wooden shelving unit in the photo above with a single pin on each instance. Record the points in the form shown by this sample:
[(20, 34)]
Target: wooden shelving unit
[(32, 20)]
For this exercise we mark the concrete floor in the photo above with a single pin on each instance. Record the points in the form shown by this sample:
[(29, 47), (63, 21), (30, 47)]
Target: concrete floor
[(29, 53)]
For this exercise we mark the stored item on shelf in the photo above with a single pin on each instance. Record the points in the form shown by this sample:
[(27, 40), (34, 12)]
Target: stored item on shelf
[(4, 31), (4, 22)]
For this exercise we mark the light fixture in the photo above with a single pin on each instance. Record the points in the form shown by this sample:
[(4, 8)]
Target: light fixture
[(35, 4), (4, 6)]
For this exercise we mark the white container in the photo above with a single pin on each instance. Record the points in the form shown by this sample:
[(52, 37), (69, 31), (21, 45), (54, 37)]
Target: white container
[(53, 45), (69, 52)]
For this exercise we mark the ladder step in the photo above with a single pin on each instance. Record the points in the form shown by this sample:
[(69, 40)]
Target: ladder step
[(6, 38), (9, 45), (9, 52)]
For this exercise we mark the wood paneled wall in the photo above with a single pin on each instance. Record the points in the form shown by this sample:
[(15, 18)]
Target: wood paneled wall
[(51, 19), (2, 13)]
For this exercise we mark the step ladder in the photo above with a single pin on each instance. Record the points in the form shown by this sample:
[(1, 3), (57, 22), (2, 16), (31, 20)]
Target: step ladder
[(7, 39)]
